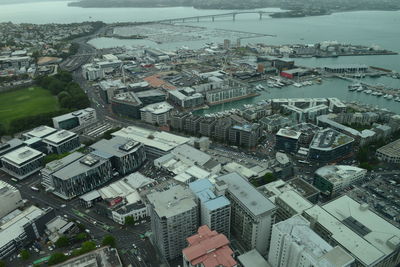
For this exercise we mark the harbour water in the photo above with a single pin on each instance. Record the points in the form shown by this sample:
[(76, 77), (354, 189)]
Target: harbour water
[(363, 27)]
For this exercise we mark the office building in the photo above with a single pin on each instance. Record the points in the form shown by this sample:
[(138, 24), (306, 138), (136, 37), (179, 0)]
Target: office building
[(185, 97), (215, 211), (246, 135), (290, 203), (208, 248), (333, 179), (9, 146), (390, 152), (174, 217), (22, 162), (370, 239), (81, 176), (92, 72), (149, 97), (156, 143), (10, 199), (61, 142), (192, 124), (109, 88), (127, 105), (221, 129), (329, 145), (287, 140), (74, 119), (21, 227), (294, 244), (125, 155), (54, 166), (252, 214), (158, 113)]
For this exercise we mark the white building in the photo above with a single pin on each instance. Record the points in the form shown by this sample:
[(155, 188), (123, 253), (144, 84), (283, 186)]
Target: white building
[(61, 142), (74, 119), (332, 179), (294, 244), (370, 239), (158, 113), (22, 162), (390, 152), (156, 143), (252, 214), (10, 198)]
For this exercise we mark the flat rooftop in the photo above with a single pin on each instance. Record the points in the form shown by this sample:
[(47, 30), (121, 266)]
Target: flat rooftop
[(367, 236), (61, 163), (86, 163), (60, 137), (116, 146), (253, 200), (157, 108), (392, 149), (288, 133), (22, 155), (253, 258), (173, 201), (41, 131), (295, 201), (159, 140), (339, 173), (329, 139)]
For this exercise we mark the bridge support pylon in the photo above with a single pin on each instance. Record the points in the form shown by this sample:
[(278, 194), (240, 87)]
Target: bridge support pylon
[(234, 16), (213, 18), (261, 15)]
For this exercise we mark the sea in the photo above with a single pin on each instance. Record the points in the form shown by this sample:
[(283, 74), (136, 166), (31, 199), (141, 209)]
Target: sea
[(360, 27)]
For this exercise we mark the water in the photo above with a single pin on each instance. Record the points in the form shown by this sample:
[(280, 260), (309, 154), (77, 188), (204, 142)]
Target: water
[(363, 27)]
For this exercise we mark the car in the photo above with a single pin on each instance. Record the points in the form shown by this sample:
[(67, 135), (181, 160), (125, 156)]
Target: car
[(65, 216), (63, 206), (134, 245), (139, 258)]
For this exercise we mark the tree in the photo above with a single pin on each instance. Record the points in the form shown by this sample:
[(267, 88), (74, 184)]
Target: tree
[(129, 220), (57, 258), (87, 247), (24, 254), (2, 263), (3, 130), (109, 240), (81, 236), (63, 241)]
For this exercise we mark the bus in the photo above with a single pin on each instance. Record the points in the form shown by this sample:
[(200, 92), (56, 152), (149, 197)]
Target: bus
[(34, 188), (304, 161), (14, 180)]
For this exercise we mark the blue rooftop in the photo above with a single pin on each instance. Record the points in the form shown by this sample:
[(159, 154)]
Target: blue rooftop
[(217, 203), (200, 185)]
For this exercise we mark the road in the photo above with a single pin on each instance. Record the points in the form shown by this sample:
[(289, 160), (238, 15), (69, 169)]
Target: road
[(125, 236)]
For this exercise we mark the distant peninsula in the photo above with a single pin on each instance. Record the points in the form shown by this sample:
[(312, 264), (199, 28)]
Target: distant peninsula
[(296, 8)]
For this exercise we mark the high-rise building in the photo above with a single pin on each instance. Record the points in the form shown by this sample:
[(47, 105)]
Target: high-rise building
[(174, 217), (287, 140), (215, 211), (252, 214), (22, 162), (246, 135), (294, 244), (208, 249)]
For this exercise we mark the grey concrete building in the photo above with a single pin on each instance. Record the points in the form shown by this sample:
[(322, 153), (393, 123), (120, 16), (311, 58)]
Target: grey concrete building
[(174, 217)]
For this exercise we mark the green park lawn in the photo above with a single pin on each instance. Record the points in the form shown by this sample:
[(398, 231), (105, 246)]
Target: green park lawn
[(25, 102)]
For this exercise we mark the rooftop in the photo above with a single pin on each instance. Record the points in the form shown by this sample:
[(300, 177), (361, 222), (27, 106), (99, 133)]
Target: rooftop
[(116, 146), (59, 137), (253, 258), (188, 153), (172, 202), (288, 133), (339, 173), (295, 201), (61, 163), (83, 165), (392, 149), (22, 155), (157, 108), (41, 131), (209, 249), (159, 140), (367, 236), (250, 198), (328, 139)]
